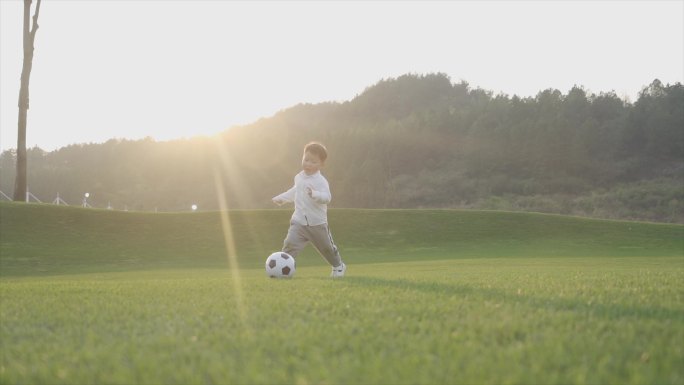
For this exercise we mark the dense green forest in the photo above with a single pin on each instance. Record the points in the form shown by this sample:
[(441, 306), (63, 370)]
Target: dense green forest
[(409, 142)]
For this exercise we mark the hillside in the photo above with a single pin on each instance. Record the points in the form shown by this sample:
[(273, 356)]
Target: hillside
[(417, 141), (40, 239)]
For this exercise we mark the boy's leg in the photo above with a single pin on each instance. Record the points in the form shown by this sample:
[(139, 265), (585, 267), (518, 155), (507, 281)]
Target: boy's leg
[(322, 239), (295, 241)]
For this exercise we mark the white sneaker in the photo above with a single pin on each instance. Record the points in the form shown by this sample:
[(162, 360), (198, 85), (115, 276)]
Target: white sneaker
[(338, 271)]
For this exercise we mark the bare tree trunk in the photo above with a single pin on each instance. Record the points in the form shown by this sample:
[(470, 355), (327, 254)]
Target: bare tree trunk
[(29, 38)]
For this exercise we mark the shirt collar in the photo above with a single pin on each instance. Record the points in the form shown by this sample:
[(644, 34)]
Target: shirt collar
[(305, 175)]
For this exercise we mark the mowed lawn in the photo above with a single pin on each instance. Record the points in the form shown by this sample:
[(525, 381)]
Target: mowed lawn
[(430, 297)]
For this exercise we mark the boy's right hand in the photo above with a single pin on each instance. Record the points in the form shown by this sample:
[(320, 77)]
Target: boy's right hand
[(278, 201)]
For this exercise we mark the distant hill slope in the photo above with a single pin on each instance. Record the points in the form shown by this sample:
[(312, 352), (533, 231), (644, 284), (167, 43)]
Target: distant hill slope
[(415, 141), (40, 239)]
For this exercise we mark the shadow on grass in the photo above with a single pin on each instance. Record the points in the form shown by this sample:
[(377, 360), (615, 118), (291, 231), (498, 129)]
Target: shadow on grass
[(578, 305)]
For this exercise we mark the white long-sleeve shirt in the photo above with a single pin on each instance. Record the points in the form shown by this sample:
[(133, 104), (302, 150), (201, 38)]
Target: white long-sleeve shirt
[(309, 210)]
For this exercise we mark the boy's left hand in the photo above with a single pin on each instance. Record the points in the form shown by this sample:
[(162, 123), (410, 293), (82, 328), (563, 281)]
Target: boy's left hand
[(310, 191)]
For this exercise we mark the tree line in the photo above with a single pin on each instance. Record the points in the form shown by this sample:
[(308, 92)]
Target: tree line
[(416, 141)]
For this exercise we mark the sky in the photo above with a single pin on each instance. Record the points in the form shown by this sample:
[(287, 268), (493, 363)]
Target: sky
[(171, 69)]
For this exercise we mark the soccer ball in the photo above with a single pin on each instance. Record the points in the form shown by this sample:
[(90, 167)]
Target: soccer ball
[(280, 265)]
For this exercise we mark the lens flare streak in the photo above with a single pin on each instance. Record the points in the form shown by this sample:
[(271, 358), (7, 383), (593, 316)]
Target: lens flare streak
[(231, 250)]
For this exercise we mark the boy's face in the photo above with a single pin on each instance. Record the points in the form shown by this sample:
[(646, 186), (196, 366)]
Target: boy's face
[(311, 163)]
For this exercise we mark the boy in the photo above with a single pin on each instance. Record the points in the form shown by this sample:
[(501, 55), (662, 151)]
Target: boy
[(309, 223)]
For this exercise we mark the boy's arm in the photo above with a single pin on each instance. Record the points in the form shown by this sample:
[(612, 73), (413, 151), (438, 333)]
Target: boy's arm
[(286, 197), (322, 195)]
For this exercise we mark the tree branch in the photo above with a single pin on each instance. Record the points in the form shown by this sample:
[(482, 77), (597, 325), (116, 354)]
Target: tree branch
[(34, 28)]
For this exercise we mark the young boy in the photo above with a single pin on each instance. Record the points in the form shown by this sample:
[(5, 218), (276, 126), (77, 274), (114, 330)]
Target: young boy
[(309, 223)]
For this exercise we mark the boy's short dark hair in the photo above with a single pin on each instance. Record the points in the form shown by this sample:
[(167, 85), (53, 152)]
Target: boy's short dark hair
[(317, 149)]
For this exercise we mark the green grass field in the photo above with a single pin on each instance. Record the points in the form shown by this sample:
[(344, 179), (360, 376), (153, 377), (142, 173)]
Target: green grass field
[(432, 296)]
